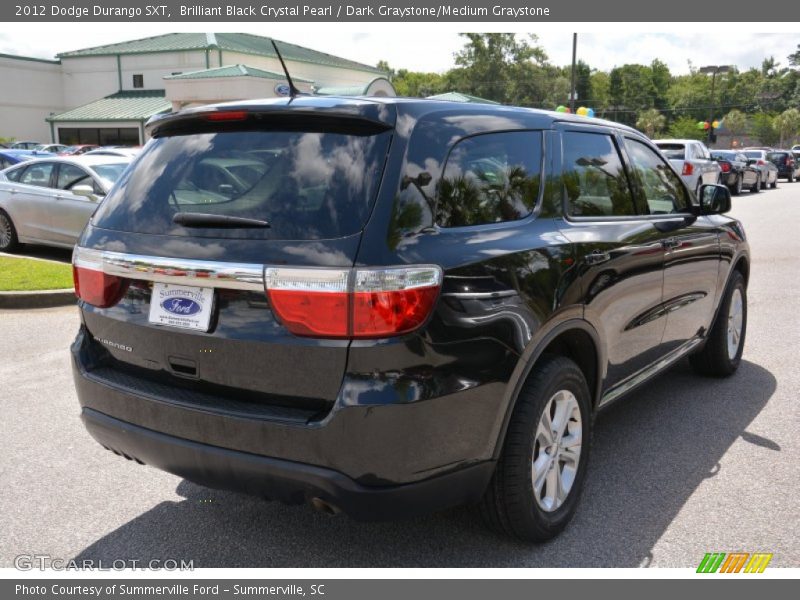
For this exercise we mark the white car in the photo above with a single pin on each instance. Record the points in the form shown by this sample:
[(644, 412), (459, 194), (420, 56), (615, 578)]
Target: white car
[(126, 152), (692, 161), (49, 201)]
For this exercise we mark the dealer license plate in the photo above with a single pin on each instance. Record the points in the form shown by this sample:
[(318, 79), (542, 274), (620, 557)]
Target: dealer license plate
[(181, 306)]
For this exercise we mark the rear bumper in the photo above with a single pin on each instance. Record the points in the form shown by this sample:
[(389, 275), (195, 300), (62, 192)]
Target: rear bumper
[(284, 480)]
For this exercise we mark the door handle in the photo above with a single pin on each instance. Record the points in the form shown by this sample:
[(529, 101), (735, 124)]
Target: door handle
[(670, 243), (596, 257)]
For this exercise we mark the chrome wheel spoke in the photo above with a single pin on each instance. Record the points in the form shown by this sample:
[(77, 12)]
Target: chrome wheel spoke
[(556, 450)]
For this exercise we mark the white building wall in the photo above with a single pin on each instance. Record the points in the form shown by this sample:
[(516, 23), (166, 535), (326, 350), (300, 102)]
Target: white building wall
[(29, 91), (154, 67), (88, 78)]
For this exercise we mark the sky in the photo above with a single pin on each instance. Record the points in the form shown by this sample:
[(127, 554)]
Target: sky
[(432, 46)]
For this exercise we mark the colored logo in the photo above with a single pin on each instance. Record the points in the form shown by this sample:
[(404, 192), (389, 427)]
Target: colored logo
[(181, 306), (734, 562), (283, 89)]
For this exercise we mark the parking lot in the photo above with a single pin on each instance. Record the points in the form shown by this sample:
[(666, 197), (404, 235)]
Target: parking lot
[(683, 467)]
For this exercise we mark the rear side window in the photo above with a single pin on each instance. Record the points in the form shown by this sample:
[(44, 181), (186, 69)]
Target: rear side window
[(306, 184), (38, 175), (13, 174), (673, 151), (490, 178), (594, 178)]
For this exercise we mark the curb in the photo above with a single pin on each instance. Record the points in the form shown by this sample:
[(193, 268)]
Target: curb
[(38, 299)]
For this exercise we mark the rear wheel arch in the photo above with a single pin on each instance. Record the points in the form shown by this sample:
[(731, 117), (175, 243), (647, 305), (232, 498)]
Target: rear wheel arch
[(575, 339)]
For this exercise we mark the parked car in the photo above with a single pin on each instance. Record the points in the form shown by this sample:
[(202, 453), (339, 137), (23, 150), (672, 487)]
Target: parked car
[(796, 148), (692, 160), (127, 152), (52, 148), (736, 172), (49, 201), (24, 145), (759, 158), (785, 161), (78, 150), (398, 315), (12, 157)]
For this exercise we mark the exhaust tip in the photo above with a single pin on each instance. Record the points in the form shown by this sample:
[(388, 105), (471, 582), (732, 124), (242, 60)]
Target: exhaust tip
[(324, 506)]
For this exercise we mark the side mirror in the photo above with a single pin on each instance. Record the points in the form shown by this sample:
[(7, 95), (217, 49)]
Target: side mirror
[(86, 191), (714, 199)]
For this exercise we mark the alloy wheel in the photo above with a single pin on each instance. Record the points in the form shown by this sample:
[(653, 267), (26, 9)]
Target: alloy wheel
[(735, 321), (557, 450), (5, 232)]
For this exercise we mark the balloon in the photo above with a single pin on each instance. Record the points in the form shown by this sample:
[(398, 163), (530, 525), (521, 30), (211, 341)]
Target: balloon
[(567, 110), (582, 111), (700, 125), (706, 125), (590, 112), (561, 108), (715, 124)]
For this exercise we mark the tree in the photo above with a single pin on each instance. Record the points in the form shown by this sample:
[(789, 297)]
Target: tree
[(735, 122), (763, 128), (418, 85), (651, 121), (686, 128), (490, 63), (787, 124), (384, 66)]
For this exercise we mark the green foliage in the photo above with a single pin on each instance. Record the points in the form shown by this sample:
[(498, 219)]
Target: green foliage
[(686, 128), (787, 124), (515, 70)]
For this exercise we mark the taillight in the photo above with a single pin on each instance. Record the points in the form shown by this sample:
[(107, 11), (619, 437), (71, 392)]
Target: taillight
[(227, 115), (726, 167), (688, 169), (761, 163), (92, 285), (97, 288), (790, 162), (357, 303)]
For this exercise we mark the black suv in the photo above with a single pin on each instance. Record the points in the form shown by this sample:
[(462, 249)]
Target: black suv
[(387, 307), (787, 165)]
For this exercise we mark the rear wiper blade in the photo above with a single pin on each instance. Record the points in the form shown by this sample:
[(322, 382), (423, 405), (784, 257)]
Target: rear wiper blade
[(191, 219)]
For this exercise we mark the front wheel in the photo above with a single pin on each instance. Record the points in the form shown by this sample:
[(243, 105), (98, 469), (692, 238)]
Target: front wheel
[(756, 186), (737, 187), (722, 353), (774, 184), (537, 482)]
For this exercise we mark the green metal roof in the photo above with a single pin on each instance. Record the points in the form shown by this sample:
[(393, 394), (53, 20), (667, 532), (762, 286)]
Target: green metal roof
[(30, 58), (137, 105), (459, 97), (245, 43), (235, 71), (349, 90)]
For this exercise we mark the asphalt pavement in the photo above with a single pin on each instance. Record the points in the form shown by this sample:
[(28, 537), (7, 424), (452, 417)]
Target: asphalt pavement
[(684, 466)]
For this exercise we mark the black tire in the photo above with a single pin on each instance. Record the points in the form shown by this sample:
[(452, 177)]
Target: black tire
[(765, 183), (757, 185), (714, 359), (790, 178), (737, 186), (774, 184), (509, 505), (8, 234)]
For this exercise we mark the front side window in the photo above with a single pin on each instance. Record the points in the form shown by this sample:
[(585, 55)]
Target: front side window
[(70, 176), (594, 178), (490, 178), (38, 175), (662, 188)]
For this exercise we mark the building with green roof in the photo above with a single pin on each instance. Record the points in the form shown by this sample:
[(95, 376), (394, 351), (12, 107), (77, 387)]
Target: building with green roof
[(103, 94)]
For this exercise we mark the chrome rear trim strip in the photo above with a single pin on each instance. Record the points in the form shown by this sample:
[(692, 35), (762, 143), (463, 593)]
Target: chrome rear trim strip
[(200, 273)]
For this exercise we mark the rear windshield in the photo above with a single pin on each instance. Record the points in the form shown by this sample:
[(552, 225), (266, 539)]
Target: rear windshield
[(110, 172), (677, 151), (777, 157), (753, 153), (306, 184), (724, 155)]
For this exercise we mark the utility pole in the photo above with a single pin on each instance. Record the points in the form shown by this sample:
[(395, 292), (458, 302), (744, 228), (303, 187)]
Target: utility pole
[(572, 85)]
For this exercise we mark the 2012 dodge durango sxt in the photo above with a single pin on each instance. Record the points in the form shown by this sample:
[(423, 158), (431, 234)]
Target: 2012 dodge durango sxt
[(386, 307)]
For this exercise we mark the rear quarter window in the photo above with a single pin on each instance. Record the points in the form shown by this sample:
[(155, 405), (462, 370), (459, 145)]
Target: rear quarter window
[(490, 178)]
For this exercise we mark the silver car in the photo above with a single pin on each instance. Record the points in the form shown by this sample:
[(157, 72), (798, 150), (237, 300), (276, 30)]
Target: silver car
[(49, 201), (692, 161), (759, 158)]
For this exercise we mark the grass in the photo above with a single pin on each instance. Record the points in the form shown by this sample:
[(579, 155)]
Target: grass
[(25, 274)]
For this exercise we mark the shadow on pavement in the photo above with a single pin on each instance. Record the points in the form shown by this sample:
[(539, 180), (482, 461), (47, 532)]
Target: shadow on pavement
[(650, 453)]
